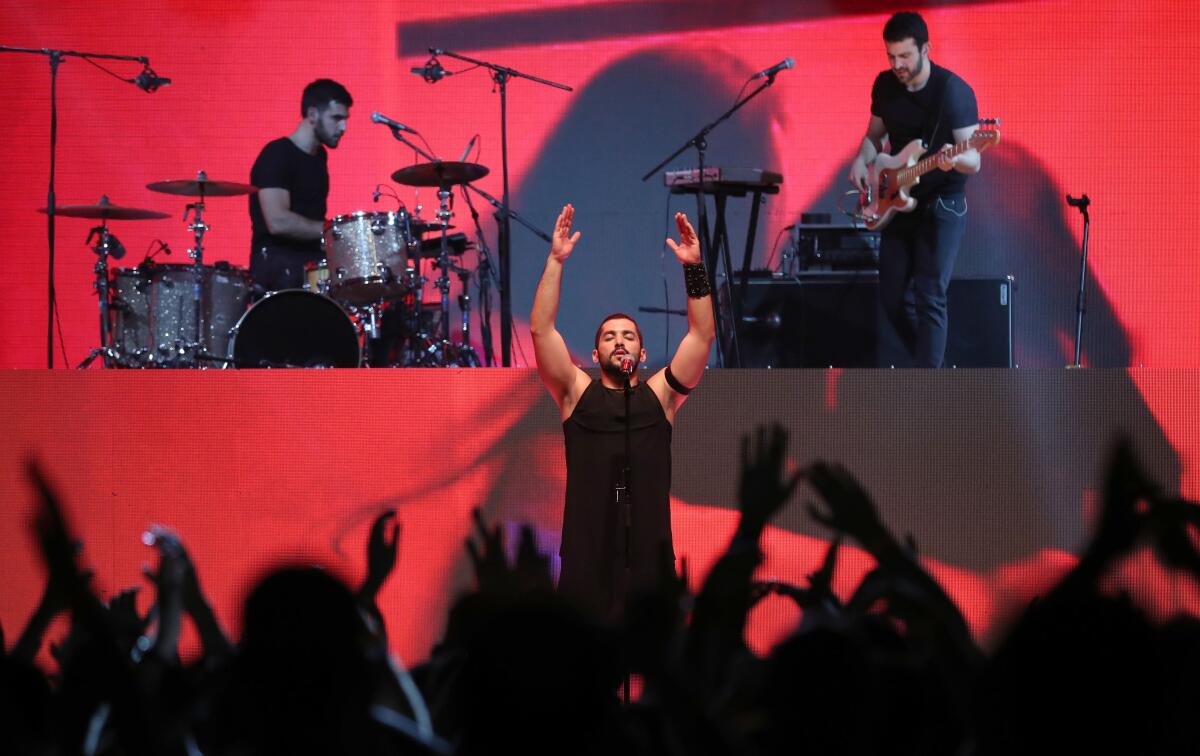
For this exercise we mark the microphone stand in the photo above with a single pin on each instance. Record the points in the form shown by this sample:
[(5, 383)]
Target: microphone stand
[(1081, 298), (700, 142), (624, 496), (501, 75), (501, 210), (55, 58)]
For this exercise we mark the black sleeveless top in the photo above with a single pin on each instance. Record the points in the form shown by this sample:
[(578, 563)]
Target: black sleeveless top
[(593, 539)]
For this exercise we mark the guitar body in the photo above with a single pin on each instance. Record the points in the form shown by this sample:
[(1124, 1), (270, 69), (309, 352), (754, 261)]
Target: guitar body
[(887, 194)]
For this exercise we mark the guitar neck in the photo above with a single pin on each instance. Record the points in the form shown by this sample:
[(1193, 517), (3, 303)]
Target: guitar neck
[(910, 174)]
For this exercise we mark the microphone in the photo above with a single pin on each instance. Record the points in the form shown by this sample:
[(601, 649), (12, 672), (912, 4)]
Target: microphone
[(116, 250), (431, 71), (1081, 202), (376, 193), (378, 117), (148, 81), (467, 151), (780, 66), (627, 365)]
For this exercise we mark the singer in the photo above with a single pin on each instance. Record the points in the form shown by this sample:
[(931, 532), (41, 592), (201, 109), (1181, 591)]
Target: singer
[(593, 412), (287, 215), (918, 99)]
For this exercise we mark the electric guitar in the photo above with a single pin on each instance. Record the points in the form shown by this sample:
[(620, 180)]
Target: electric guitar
[(891, 176)]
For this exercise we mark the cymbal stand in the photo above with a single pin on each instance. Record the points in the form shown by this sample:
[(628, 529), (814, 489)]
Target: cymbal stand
[(504, 212), (198, 228), (444, 214), (466, 356), (483, 272), (368, 319), (102, 249)]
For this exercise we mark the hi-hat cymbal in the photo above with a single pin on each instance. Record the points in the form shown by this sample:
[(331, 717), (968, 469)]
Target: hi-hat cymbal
[(442, 173), (201, 186), (425, 227), (105, 210)]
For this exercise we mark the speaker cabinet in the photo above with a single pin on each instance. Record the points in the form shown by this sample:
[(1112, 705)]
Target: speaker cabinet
[(834, 320)]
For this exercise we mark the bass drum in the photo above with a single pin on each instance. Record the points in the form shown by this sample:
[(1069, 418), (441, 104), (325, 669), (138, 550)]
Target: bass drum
[(295, 328)]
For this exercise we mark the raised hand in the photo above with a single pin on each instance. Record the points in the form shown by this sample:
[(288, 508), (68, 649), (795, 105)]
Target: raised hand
[(764, 488), (562, 242), (488, 559), (383, 545), (850, 509), (688, 247)]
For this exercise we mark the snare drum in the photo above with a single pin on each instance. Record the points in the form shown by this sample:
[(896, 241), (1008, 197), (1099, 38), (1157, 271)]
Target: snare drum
[(295, 328), (358, 247), (154, 310), (316, 276)]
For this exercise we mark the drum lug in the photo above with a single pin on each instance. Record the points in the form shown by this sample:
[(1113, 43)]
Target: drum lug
[(335, 232), (340, 273)]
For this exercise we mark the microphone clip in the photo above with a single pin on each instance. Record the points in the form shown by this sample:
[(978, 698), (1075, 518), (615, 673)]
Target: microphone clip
[(148, 81)]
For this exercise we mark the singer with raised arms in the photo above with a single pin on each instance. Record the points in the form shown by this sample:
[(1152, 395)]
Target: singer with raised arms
[(598, 541)]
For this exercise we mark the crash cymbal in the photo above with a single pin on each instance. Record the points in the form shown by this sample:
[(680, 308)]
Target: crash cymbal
[(201, 186), (105, 210), (443, 173)]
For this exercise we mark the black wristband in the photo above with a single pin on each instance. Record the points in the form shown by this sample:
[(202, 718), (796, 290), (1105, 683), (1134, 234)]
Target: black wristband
[(695, 280), (674, 383)]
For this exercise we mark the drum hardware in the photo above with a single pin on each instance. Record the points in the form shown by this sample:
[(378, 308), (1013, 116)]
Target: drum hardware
[(107, 245), (316, 276), (441, 350), (183, 352)]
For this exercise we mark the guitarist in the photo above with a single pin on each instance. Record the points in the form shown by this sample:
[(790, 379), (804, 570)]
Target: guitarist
[(918, 99)]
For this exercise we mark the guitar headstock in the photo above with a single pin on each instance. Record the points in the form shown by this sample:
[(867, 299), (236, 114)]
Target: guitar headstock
[(987, 135)]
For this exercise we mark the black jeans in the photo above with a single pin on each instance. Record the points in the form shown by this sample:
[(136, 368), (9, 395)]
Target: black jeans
[(276, 268), (916, 258)]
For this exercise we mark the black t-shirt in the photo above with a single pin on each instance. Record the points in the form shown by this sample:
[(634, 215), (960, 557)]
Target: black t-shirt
[(283, 165), (931, 114)]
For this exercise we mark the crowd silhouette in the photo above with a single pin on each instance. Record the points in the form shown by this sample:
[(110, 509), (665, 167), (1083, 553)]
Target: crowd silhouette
[(889, 669)]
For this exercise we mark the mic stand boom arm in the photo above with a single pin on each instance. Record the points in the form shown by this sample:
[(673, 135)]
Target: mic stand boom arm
[(700, 142), (55, 57), (501, 75)]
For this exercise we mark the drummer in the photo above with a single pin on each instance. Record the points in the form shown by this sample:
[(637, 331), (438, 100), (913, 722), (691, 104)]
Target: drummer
[(287, 214)]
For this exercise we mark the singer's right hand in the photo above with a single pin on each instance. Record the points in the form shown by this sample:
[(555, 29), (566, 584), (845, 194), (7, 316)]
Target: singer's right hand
[(562, 241), (859, 174)]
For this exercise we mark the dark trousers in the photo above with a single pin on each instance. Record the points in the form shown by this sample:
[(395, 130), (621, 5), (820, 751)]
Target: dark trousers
[(916, 258), (276, 268)]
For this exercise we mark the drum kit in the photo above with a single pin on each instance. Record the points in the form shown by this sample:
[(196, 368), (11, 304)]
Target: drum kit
[(361, 305)]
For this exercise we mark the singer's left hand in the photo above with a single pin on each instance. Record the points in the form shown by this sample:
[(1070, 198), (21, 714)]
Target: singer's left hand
[(688, 247)]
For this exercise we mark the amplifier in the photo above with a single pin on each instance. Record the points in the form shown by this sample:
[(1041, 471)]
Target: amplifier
[(833, 319)]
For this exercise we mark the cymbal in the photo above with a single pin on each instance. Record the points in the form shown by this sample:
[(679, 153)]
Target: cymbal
[(456, 243), (442, 173), (201, 186), (105, 210), (424, 227)]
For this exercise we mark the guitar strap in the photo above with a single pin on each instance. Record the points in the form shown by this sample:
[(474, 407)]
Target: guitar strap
[(941, 109)]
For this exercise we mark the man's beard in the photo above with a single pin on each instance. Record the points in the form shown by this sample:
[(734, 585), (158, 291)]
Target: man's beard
[(327, 139), (613, 369)]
